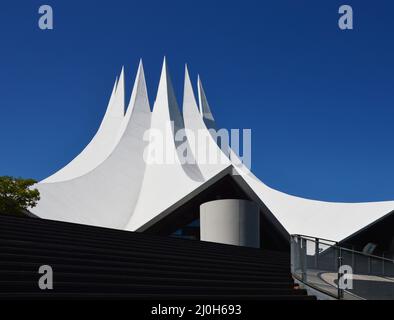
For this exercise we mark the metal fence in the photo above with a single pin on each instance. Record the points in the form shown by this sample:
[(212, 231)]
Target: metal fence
[(323, 264)]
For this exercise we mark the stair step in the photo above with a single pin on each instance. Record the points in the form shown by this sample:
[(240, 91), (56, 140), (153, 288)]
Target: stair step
[(101, 233), (151, 296), (112, 245), (99, 263), (142, 279), (81, 251), (151, 270), (90, 287)]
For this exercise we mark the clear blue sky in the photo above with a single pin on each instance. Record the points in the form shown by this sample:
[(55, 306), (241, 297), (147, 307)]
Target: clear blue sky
[(319, 101)]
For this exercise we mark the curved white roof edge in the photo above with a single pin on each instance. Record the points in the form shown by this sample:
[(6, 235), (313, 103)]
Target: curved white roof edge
[(197, 130), (103, 142), (205, 109), (107, 195), (184, 178), (330, 220), (126, 192)]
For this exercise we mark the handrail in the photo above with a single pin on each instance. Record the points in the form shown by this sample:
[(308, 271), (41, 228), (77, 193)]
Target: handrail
[(313, 239), (367, 254), (312, 256)]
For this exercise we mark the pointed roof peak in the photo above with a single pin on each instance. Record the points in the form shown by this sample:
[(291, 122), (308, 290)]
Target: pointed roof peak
[(120, 92), (165, 66), (188, 87), (165, 77), (120, 78), (205, 109), (164, 70), (112, 98), (199, 82), (187, 76), (166, 102), (139, 92), (189, 100), (140, 70), (140, 65)]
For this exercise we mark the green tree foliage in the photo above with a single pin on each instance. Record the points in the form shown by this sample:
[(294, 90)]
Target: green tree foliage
[(16, 196)]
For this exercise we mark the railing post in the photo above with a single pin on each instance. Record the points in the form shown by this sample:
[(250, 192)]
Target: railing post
[(298, 251), (335, 257), (298, 255), (339, 265), (292, 254), (300, 245), (303, 260), (353, 261)]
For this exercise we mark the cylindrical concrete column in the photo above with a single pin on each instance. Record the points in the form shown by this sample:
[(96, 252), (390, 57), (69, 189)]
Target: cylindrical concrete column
[(230, 221)]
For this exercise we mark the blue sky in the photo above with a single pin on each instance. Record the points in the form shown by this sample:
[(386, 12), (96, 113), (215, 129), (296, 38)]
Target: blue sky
[(319, 101)]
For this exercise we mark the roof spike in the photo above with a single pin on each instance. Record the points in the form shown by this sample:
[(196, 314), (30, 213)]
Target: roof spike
[(199, 93), (99, 147), (139, 89), (114, 89), (165, 99), (112, 100), (120, 94), (189, 100), (205, 110), (187, 72), (121, 75), (164, 68), (139, 107), (162, 88)]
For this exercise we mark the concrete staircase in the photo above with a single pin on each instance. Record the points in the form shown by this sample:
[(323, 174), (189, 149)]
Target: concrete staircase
[(91, 262)]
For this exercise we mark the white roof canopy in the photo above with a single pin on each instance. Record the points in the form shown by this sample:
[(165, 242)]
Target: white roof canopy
[(110, 184)]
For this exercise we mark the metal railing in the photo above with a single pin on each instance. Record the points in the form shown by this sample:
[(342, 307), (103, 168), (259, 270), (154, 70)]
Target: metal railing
[(341, 272)]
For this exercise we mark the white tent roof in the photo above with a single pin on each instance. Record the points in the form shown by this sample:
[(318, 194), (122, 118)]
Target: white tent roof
[(102, 143), (111, 184)]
